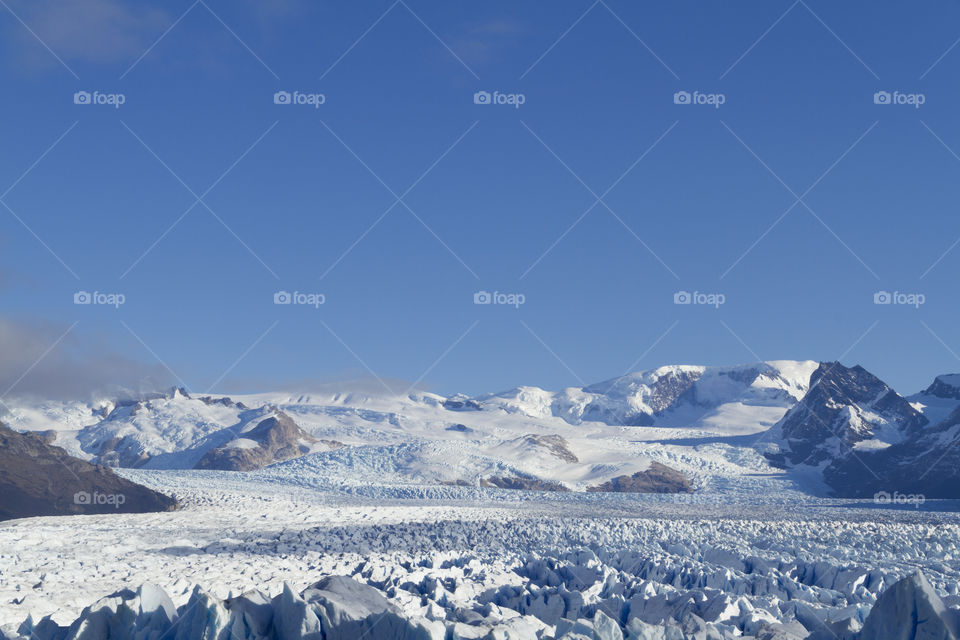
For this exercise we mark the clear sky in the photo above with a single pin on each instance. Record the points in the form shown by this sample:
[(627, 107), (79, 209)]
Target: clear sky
[(579, 183)]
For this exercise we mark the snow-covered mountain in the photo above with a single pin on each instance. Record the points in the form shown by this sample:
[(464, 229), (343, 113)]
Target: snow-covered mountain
[(845, 409), (260, 444), (162, 430), (926, 464), (577, 437), (691, 419), (868, 440), (739, 399), (938, 401)]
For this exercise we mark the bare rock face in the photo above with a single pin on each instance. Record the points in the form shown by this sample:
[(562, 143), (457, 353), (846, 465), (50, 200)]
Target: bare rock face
[(460, 402), (38, 479), (658, 478), (945, 386), (927, 465), (844, 406), (521, 483), (273, 439), (556, 445)]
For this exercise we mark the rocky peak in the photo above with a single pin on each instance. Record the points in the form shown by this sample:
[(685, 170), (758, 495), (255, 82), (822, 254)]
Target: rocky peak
[(946, 386), (843, 407), (273, 439)]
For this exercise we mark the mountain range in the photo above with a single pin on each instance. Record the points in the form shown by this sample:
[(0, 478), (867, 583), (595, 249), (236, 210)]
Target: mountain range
[(840, 424)]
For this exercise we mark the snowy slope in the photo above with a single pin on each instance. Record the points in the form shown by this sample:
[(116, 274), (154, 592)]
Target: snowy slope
[(480, 560), (733, 400), (938, 401), (426, 438)]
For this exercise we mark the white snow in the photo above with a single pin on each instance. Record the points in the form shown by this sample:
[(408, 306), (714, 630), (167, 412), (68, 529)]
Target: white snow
[(242, 443), (736, 558), (748, 550)]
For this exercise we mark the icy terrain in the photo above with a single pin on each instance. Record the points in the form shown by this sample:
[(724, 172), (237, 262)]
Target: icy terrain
[(469, 560), (175, 430), (397, 532)]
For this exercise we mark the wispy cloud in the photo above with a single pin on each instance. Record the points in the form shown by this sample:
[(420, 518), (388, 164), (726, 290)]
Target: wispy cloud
[(352, 381), (55, 362), (92, 31), (488, 41)]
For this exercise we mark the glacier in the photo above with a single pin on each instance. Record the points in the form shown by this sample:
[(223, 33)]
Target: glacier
[(449, 562), (386, 521)]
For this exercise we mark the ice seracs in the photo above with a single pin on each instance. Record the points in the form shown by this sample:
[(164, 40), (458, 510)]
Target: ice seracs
[(911, 610), (579, 595)]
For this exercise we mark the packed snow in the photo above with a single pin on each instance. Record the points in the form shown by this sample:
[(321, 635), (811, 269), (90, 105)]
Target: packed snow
[(477, 560), (395, 534)]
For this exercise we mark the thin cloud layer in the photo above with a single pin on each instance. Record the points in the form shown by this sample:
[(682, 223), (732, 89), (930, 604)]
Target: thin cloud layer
[(96, 31), (53, 363)]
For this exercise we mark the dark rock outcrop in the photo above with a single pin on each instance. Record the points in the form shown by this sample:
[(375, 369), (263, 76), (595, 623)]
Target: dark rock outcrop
[(223, 402), (927, 464), (38, 479), (947, 386), (658, 478), (460, 402), (273, 439), (522, 483), (554, 444)]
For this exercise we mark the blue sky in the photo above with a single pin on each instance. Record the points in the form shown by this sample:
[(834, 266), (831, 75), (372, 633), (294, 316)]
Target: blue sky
[(399, 198)]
